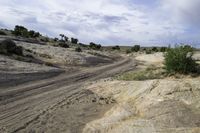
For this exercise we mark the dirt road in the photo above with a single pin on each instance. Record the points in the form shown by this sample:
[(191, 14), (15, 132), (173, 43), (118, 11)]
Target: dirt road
[(58, 104)]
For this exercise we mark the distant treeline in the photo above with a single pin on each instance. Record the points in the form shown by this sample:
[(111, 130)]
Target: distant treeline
[(24, 32)]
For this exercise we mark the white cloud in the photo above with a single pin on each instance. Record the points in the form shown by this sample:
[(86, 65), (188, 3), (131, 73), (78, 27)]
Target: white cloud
[(107, 21)]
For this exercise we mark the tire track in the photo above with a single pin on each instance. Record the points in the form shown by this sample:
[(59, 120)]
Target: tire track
[(33, 100)]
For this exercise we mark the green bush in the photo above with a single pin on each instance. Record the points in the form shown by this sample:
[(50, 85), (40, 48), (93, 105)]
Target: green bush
[(20, 31), (151, 72), (116, 48), (45, 39), (78, 49), (63, 44), (67, 39), (155, 49), (95, 46), (8, 47), (33, 34), (23, 32), (74, 40), (82, 45), (179, 59), (135, 48), (55, 39), (163, 49)]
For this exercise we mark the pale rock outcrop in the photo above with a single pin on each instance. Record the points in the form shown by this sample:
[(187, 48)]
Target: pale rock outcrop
[(153, 106)]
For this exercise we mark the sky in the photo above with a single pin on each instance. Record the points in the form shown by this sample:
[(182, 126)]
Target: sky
[(108, 22)]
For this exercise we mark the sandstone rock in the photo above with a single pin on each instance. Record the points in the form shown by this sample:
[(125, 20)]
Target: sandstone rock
[(154, 106)]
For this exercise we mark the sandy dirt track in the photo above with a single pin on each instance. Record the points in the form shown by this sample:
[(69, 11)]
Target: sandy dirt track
[(52, 104)]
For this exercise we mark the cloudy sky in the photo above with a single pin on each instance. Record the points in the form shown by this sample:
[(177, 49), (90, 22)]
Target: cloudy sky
[(108, 22)]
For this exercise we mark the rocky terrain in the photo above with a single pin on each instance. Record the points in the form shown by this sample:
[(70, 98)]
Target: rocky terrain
[(154, 106), (42, 61), (66, 57), (54, 89), (43, 89), (167, 105)]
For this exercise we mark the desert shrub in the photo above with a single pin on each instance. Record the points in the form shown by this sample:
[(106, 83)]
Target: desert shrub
[(147, 74), (33, 34), (144, 49), (163, 49), (2, 33), (82, 45), (135, 48), (74, 40), (23, 32), (66, 38), (62, 36), (116, 47), (55, 39), (8, 47), (45, 39), (95, 46), (20, 31), (78, 49), (155, 49), (63, 44), (179, 59), (128, 51), (148, 51), (62, 41)]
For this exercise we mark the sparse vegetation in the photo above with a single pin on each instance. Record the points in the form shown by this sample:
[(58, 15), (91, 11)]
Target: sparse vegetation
[(149, 73), (23, 32), (78, 49), (74, 40), (148, 51), (20, 31), (66, 38), (34, 34), (163, 49), (135, 48), (83, 45), (155, 49), (62, 36), (55, 39), (116, 47), (179, 60), (8, 47), (63, 44), (95, 46), (45, 39)]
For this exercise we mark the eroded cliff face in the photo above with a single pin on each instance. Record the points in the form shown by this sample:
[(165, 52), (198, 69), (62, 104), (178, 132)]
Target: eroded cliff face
[(152, 106)]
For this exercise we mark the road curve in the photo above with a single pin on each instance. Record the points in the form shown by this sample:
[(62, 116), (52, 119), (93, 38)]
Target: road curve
[(23, 104)]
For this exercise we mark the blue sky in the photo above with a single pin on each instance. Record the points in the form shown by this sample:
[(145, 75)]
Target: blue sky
[(108, 22)]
